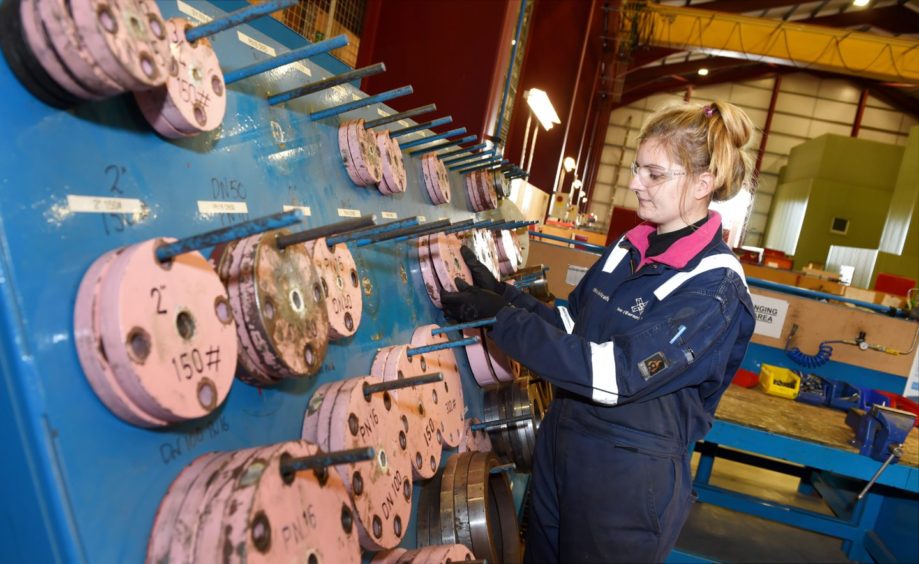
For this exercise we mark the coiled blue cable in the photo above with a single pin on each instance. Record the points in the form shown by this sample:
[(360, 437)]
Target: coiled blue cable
[(824, 352)]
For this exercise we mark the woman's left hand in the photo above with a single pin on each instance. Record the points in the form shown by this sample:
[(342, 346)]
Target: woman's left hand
[(471, 303)]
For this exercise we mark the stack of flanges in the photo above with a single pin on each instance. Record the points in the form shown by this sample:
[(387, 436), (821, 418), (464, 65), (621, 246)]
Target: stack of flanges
[(490, 366), (156, 340), (66, 51), (394, 179), (435, 554), (517, 408), (436, 181), (360, 153), (471, 504), (480, 187), (193, 100), (483, 245), (277, 298), (441, 264), (246, 506), (342, 415), (341, 286), (510, 258)]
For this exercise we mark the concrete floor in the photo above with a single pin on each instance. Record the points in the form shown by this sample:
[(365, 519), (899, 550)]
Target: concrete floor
[(729, 536)]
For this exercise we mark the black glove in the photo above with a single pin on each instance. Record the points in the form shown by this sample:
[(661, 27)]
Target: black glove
[(481, 276), (471, 303)]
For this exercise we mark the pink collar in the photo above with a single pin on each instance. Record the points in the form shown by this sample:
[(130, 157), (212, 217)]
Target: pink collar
[(681, 252)]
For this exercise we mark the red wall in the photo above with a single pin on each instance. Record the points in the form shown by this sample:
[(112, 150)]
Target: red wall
[(554, 49), (450, 51)]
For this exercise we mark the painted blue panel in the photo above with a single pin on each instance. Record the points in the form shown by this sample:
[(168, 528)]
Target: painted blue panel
[(84, 485)]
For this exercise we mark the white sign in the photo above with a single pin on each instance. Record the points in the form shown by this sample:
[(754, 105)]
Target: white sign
[(389, 215), (574, 275), (382, 112), (911, 390), (305, 209), (192, 12), (255, 44), (344, 212), (101, 204), (206, 207), (770, 315)]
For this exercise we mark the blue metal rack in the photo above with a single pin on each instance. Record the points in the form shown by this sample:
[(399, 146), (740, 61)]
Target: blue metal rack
[(77, 483)]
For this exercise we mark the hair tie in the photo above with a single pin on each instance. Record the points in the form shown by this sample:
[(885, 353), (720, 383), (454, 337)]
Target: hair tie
[(709, 111)]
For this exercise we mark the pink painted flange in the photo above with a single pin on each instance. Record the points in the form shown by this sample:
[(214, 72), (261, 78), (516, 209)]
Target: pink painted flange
[(123, 38), (344, 148), (431, 284), (340, 285), (447, 260), (69, 47), (89, 348), (310, 429), (420, 410), (449, 393), (475, 440), (380, 488), (160, 319), (478, 360)]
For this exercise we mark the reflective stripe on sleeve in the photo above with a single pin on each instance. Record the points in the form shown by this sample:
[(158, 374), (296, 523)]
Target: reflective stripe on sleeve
[(566, 318), (615, 257), (603, 367)]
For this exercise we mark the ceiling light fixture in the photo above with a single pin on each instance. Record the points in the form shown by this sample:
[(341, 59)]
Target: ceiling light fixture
[(539, 102), (703, 71), (860, 3), (569, 164)]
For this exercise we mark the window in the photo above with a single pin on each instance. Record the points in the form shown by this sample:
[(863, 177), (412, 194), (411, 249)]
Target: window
[(840, 225)]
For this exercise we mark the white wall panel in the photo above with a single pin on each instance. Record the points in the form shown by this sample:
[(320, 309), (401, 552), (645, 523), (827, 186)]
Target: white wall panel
[(765, 184), (800, 83), (795, 104), (778, 143), (878, 118), (789, 124), (819, 128), (837, 112), (605, 174), (878, 135)]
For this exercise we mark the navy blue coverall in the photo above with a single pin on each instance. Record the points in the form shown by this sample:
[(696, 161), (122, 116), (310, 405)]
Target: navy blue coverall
[(640, 357)]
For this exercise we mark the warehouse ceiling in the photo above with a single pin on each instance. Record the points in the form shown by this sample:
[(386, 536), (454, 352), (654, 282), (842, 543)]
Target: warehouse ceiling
[(655, 69)]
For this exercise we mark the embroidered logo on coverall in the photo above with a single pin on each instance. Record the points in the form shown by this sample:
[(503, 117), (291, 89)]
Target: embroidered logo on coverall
[(639, 306), (652, 365)]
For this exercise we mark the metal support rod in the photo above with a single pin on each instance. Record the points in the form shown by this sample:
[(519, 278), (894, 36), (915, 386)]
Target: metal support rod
[(461, 151), (347, 107), (499, 422), (478, 166), (407, 233), (442, 346), (895, 451), (374, 230), (236, 18), (401, 115), (326, 83), (284, 241), (370, 389), (467, 325), (890, 310), (441, 146), (459, 165), (473, 156), (326, 459), (425, 140), (197, 242), (588, 246), (459, 225), (459, 228), (421, 126), (518, 224), (286, 58)]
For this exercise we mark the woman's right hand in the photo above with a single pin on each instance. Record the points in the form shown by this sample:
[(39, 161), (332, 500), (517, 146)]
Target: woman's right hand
[(481, 276)]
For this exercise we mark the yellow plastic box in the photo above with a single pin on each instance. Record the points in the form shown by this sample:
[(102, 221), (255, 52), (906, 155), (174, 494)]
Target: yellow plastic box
[(778, 381)]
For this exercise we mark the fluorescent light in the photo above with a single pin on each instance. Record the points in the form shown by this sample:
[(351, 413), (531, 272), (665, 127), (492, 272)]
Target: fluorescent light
[(576, 184), (569, 164), (703, 71), (539, 102), (860, 3)]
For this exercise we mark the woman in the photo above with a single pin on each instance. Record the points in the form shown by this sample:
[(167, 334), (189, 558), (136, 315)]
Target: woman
[(640, 356)]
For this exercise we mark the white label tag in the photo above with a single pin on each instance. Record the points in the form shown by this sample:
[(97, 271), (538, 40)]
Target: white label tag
[(403, 123), (305, 209), (192, 12), (389, 215), (770, 315), (206, 207), (422, 219), (340, 91), (344, 212), (574, 274), (382, 113), (911, 390), (300, 66), (355, 97), (101, 204), (255, 44)]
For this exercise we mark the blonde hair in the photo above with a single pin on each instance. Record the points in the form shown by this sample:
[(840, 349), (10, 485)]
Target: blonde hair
[(710, 139)]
